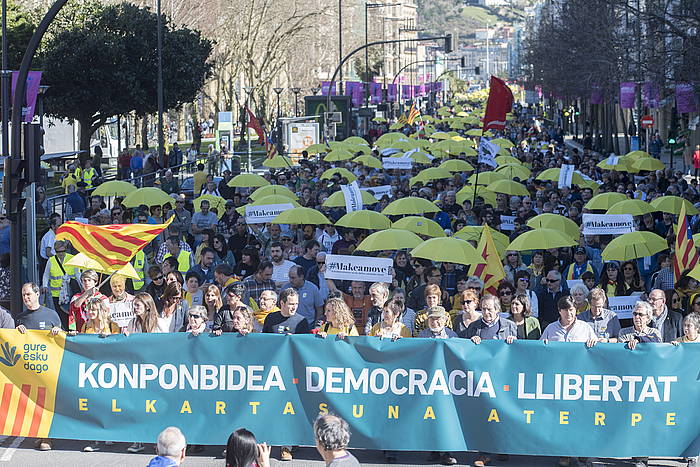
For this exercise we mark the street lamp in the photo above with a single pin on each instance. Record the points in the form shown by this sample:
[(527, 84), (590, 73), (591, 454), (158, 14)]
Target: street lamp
[(296, 92), (315, 90), (249, 90), (161, 136), (367, 7), (278, 91)]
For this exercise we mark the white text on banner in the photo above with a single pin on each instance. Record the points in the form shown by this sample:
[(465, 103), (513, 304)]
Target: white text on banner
[(607, 224), (353, 197), (265, 213), (358, 268)]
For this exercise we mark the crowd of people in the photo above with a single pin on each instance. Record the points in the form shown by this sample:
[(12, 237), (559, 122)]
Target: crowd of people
[(210, 272)]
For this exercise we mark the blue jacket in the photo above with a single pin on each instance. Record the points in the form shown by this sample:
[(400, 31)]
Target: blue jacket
[(160, 461)]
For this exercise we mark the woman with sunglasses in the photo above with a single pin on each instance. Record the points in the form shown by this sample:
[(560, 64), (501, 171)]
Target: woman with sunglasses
[(250, 259), (611, 280), (522, 286), (505, 296), (420, 267), (225, 319), (468, 312), (674, 302), (632, 278), (197, 321), (172, 316), (156, 287), (402, 268), (222, 254)]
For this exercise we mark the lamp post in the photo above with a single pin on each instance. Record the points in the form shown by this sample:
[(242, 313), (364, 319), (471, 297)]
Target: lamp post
[(296, 92), (315, 90), (161, 136), (5, 86), (367, 7), (248, 90), (278, 91)]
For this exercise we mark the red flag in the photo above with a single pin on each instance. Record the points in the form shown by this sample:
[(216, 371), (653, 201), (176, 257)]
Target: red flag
[(254, 123), (500, 102)]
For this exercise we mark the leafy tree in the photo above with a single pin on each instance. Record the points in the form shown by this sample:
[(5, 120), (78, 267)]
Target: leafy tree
[(107, 65), (20, 27)]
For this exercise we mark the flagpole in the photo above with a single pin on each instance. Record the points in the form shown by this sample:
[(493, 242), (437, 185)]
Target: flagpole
[(476, 179)]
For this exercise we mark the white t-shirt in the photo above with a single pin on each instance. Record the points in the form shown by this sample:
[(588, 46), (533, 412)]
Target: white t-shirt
[(280, 273), (579, 332), (164, 323)]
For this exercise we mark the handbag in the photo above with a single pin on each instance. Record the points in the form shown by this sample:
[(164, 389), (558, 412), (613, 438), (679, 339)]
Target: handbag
[(69, 287)]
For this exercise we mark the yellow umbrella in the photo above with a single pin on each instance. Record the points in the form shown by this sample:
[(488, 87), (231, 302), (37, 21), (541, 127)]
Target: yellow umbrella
[(541, 239), (114, 188), (215, 202), (486, 178), (636, 207), (451, 147), (502, 142), (388, 138), (473, 233), (467, 193), (317, 149), (356, 140), (279, 162), (248, 180), (338, 155), (273, 190), (514, 171), (418, 157), (556, 222), (503, 160), (621, 166), (672, 204), (341, 171), (634, 155), (604, 201), (456, 165), (648, 163), (389, 239), (337, 199), (419, 225), (440, 135), (396, 126), (634, 245), (474, 132), (301, 216), (405, 145), (447, 250), (368, 161), (409, 205), (150, 196), (553, 175), (83, 261), (269, 199), (433, 173), (508, 187), (364, 219)]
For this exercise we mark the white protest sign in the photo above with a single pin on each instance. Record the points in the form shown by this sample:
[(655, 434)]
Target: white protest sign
[(265, 213), (379, 191), (488, 152), (398, 163), (607, 224), (566, 173), (572, 282), (121, 313), (622, 306), (507, 222), (358, 268), (353, 197)]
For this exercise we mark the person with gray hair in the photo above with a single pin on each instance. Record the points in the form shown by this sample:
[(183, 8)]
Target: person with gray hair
[(332, 438), (640, 331), (691, 330), (170, 447), (378, 295)]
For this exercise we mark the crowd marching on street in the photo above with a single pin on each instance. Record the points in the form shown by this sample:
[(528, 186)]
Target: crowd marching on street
[(211, 272)]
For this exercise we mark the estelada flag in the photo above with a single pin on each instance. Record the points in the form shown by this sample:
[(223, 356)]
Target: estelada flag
[(500, 102), (491, 270), (254, 123), (686, 256), (110, 245), (413, 114)]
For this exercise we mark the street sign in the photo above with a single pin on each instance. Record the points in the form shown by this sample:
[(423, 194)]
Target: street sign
[(647, 121)]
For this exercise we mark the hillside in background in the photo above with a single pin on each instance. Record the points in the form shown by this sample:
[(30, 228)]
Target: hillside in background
[(439, 16)]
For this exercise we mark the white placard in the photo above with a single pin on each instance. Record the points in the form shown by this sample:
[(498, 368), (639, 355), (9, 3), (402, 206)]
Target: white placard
[(121, 313), (507, 222), (607, 224), (265, 213), (572, 282), (353, 197), (379, 191), (566, 173), (488, 152), (613, 160), (398, 163), (622, 306), (358, 268)]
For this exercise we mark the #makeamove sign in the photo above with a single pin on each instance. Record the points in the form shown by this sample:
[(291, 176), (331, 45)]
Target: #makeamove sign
[(529, 397)]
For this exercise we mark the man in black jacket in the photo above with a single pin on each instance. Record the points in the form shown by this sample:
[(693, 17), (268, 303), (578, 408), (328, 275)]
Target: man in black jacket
[(668, 322), (548, 296)]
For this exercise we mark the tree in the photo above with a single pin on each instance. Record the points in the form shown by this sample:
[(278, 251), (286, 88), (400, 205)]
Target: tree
[(20, 27), (107, 66)]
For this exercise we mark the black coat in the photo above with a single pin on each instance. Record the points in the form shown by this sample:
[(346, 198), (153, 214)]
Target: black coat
[(547, 304)]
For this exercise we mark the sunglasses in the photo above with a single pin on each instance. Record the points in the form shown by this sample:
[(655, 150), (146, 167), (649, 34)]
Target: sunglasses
[(506, 292), (159, 278), (524, 279), (193, 315), (512, 254), (320, 262), (637, 313), (468, 302), (551, 281)]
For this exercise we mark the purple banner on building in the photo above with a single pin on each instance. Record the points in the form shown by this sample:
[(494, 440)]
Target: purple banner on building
[(375, 93), (325, 86), (391, 91), (438, 86), (596, 95), (407, 91), (685, 98), (350, 89), (32, 90), (650, 95), (627, 91), (358, 94)]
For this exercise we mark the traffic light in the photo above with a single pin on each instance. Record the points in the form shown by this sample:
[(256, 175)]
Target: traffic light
[(14, 184), (33, 150), (448, 44), (463, 62), (671, 140), (477, 70)]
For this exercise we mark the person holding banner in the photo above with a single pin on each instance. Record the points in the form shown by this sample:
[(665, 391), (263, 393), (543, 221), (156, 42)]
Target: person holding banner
[(77, 312), (339, 320), (491, 325), (691, 330), (527, 326), (667, 322), (640, 331), (568, 328), (286, 321), (468, 312), (604, 322), (390, 327), (98, 320)]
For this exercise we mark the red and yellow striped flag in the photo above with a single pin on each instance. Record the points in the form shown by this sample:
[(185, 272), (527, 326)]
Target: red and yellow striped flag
[(110, 245), (413, 114), (686, 256), (491, 270)]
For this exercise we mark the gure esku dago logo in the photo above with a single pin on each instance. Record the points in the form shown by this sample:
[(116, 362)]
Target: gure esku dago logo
[(9, 357)]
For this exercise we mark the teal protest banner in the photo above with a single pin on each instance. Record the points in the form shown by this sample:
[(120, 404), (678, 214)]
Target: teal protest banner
[(412, 394)]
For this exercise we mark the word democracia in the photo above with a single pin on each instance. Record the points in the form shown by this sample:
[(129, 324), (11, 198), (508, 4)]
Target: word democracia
[(399, 381)]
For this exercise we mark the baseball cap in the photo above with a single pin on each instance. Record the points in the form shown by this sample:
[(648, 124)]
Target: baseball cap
[(437, 312)]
